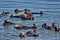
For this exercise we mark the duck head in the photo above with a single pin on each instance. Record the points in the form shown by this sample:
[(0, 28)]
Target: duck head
[(16, 10), (41, 13), (26, 11), (34, 26), (22, 34), (44, 25)]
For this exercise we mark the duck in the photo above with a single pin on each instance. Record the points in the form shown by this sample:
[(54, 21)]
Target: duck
[(53, 27), (17, 26), (7, 22), (23, 16), (4, 13), (30, 33)]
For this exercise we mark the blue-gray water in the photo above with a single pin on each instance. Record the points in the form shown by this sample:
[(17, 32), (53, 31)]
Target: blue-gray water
[(51, 9)]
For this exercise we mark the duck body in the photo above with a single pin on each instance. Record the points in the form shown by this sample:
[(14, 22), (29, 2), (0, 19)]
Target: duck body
[(49, 27), (24, 27), (34, 35), (31, 33), (22, 17), (15, 16), (4, 13)]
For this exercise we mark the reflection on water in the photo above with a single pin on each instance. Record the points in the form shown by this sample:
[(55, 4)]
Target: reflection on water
[(6, 27), (23, 38), (51, 9)]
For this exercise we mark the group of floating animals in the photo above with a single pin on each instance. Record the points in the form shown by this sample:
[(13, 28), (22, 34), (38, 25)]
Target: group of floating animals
[(27, 16)]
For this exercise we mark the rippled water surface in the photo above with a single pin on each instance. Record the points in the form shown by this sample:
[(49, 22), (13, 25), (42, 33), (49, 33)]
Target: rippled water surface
[(51, 9)]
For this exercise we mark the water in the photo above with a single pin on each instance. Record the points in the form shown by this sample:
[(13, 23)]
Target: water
[(51, 9)]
